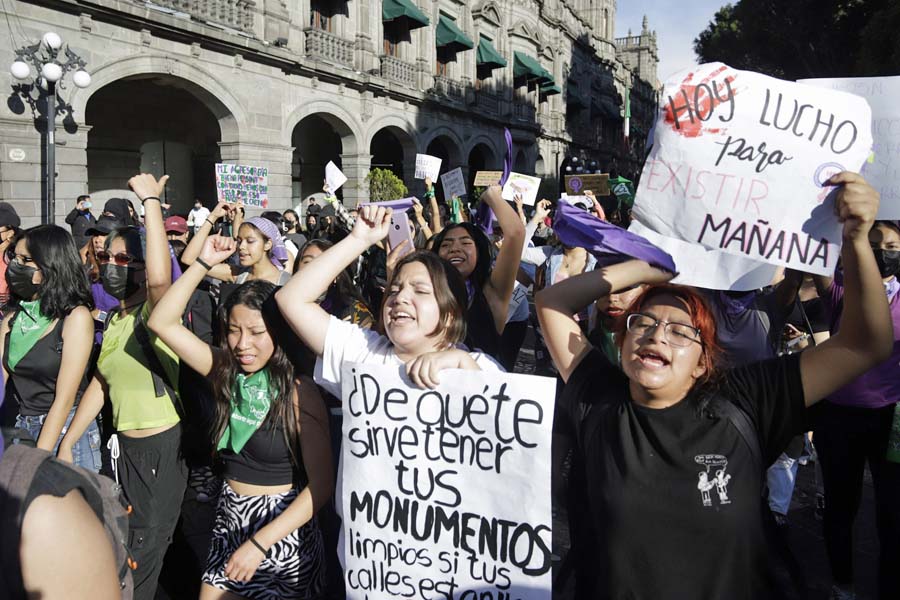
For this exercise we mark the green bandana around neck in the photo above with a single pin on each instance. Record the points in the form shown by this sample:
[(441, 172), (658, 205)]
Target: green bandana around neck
[(250, 401), (27, 328)]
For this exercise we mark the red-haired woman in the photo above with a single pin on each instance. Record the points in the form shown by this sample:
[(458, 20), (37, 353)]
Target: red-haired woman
[(671, 453)]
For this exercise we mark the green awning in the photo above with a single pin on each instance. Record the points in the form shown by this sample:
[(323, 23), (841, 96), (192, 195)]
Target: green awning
[(549, 89), (448, 34), (398, 9), (530, 68), (487, 55)]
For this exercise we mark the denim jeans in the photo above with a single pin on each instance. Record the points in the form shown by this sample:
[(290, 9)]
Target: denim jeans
[(781, 477), (85, 452)]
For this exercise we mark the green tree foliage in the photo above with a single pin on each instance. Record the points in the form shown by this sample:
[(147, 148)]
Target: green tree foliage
[(384, 185), (794, 39)]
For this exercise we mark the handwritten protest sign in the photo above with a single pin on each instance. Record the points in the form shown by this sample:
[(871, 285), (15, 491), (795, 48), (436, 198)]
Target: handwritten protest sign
[(427, 166), (524, 185), (882, 170), (486, 178), (334, 178), (446, 492), (740, 164), (709, 268), (239, 183), (597, 183), (453, 183)]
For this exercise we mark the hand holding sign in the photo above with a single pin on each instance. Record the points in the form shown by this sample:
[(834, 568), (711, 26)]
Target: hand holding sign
[(856, 205)]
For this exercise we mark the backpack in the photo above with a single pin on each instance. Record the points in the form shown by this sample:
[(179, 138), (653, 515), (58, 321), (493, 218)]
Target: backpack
[(17, 471)]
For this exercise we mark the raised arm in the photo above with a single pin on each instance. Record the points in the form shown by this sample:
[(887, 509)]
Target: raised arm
[(500, 286), (420, 218), (166, 321), (558, 304), (866, 335), (158, 262), (78, 340), (298, 300), (222, 272), (436, 225), (315, 446)]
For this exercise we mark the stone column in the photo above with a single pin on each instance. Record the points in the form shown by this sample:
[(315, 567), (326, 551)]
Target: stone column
[(355, 167), (276, 158)]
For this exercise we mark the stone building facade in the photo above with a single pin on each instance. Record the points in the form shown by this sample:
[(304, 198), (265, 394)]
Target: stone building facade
[(179, 85)]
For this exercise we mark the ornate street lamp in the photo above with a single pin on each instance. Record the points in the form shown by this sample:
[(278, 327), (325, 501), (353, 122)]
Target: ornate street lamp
[(46, 64)]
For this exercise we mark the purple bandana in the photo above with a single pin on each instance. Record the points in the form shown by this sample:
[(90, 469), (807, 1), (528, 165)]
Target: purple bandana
[(401, 205), (278, 254), (484, 216), (610, 244)]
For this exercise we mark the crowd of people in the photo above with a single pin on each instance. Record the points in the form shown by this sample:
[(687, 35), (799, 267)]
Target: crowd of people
[(202, 355)]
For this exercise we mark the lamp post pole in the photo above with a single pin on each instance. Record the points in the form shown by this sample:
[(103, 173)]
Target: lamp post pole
[(45, 64)]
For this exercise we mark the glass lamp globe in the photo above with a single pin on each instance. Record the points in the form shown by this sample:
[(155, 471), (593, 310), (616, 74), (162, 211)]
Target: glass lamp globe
[(20, 70), (81, 78), (51, 72), (52, 40)]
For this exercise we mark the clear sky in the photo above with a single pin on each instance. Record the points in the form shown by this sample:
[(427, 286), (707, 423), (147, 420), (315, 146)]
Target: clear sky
[(676, 25)]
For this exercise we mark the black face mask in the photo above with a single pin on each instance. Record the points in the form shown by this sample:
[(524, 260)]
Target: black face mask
[(19, 279), (888, 262), (118, 281)]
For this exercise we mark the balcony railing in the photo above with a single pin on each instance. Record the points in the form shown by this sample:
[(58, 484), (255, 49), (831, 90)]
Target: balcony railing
[(237, 14), (328, 47), (487, 102), (523, 112), (448, 87), (398, 71)]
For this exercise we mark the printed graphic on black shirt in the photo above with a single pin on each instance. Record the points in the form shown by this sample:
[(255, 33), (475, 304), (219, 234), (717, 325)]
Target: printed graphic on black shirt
[(714, 477)]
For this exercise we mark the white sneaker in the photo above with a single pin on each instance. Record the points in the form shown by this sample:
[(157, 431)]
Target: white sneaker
[(840, 592)]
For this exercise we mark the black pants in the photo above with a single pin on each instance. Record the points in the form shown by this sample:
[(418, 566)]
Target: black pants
[(153, 478), (846, 439)]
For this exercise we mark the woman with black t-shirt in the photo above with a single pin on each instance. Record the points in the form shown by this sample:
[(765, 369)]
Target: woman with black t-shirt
[(670, 453)]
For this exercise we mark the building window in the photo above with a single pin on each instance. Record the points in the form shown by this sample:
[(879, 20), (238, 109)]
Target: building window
[(395, 32), (442, 64)]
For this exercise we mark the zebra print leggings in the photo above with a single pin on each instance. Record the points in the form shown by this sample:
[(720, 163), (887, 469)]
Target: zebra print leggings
[(296, 567)]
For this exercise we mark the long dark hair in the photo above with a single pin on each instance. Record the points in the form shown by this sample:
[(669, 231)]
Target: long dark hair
[(342, 290), (257, 295), (65, 285), (482, 270)]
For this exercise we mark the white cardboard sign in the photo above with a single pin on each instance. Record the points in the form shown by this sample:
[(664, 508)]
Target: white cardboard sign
[(882, 170), (740, 160), (453, 183), (427, 166), (525, 185), (334, 178), (441, 487)]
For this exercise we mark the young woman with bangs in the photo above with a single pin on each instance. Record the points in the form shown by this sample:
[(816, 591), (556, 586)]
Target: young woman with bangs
[(422, 318), (342, 299), (271, 432), (489, 287), (671, 452), (46, 339), (261, 251)]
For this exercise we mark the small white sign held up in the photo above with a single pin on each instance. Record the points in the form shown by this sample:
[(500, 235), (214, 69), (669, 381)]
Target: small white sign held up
[(740, 163), (524, 185), (427, 166), (334, 178), (446, 492)]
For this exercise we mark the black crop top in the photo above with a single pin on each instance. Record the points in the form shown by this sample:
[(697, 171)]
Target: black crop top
[(34, 378), (265, 460)]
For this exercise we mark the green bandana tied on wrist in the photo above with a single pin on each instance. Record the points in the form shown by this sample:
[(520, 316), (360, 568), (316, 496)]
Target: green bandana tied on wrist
[(27, 328), (250, 401)]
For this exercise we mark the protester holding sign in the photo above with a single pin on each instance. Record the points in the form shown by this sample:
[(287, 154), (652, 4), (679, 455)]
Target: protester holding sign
[(271, 431), (260, 248), (138, 374), (422, 314), (468, 249), (672, 450)]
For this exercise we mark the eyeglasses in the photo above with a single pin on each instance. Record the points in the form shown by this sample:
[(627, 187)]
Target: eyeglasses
[(677, 334), (122, 259), (21, 259)]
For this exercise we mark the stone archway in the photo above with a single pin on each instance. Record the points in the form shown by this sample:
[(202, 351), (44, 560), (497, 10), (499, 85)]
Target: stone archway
[(482, 158), (393, 148), (155, 123)]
